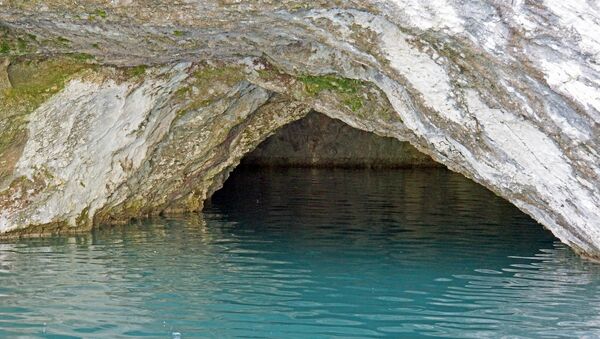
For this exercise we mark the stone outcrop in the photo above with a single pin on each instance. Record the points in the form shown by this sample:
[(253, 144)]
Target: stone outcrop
[(143, 106), (319, 141)]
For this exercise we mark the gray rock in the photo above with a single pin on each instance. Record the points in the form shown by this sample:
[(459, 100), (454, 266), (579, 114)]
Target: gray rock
[(506, 93)]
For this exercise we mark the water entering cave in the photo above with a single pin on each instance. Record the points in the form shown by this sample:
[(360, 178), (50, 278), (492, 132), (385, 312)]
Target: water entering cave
[(304, 243)]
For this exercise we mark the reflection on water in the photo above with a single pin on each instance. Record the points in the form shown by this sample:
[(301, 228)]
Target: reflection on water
[(309, 253)]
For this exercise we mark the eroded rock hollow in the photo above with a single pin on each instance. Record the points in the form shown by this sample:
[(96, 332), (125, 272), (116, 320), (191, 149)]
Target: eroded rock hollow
[(319, 141), (118, 109)]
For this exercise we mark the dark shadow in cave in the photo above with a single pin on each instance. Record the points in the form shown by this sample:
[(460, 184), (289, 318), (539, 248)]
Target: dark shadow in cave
[(319, 175), (320, 141)]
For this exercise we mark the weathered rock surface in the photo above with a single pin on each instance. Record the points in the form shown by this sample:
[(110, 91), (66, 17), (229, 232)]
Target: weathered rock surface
[(319, 141), (506, 93), (4, 80)]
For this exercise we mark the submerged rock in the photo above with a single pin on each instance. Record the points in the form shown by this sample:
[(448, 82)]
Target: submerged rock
[(144, 106)]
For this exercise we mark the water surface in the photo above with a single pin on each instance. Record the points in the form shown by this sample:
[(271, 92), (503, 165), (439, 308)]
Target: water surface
[(304, 253)]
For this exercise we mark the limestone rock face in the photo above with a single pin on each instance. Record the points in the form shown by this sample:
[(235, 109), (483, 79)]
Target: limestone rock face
[(505, 92)]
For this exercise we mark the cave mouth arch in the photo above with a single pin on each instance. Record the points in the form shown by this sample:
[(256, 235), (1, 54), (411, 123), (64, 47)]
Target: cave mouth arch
[(303, 175)]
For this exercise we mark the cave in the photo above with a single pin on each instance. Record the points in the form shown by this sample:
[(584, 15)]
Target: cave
[(359, 168), (319, 172)]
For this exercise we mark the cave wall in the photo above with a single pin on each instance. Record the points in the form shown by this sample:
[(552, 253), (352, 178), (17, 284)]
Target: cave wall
[(506, 93), (319, 141)]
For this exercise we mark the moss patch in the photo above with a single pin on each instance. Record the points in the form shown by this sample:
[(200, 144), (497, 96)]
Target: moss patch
[(226, 74), (4, 47), (136, 71), (32, 83), (354, 103), (360, 97), (97, 13), (63, 41), (101, 13), (82, 56), (348, 89), (316, 84), (12, 43)]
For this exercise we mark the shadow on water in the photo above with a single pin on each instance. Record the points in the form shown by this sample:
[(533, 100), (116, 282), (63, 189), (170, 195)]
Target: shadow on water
[(309, 253)]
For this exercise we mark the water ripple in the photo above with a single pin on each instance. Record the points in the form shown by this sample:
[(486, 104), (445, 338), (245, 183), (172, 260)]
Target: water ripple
[(303, 253)]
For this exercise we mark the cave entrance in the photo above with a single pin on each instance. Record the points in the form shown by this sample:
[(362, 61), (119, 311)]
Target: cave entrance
[(318, 177)]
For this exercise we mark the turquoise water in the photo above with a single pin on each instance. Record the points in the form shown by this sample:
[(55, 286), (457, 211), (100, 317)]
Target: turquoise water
[(307, 254)]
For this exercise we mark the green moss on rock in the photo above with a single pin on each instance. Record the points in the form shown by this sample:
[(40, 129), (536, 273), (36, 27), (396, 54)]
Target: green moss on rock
[(4, 47), (348, 89), (31, 83), (15, 44), (354, 103), (136, 71), (316, 84), (101, 13)]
